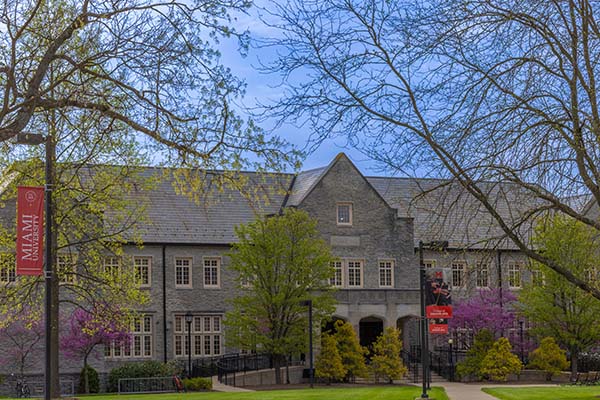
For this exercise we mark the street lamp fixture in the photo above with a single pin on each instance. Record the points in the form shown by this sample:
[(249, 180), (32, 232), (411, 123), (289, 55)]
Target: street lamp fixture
[(434, 245), (189, 317), (34, 139), (451, 359), (522, 343), (311, 372)]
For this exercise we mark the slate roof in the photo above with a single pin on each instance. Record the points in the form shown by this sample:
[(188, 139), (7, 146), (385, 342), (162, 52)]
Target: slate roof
[(443, 210), (176, 218)]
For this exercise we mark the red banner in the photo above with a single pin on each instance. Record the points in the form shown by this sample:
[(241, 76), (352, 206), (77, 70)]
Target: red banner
[(30, 230), (439, 312), (439, 329)]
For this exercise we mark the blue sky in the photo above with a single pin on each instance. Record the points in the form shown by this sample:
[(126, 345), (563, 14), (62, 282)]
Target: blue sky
[(261, 90)]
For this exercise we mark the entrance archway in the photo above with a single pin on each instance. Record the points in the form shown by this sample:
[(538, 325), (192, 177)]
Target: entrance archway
[(369, 329)]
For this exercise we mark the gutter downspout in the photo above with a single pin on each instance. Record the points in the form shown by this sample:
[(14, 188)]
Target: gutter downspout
[(164, 298)]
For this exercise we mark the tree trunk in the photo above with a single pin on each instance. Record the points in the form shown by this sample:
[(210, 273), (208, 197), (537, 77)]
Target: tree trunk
[(277, 365), (86, 380), (574, 359)]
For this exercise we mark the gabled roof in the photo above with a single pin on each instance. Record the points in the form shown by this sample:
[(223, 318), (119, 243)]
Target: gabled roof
[(306, 181), (444, 210)]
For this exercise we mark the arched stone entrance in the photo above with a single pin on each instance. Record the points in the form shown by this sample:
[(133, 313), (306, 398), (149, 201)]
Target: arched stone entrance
[(409, 328), (369, 329)]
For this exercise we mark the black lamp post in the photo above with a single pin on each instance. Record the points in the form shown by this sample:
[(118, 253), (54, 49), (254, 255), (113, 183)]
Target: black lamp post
[(451, 359), (311, 374), (438, 245), (37, 139), (188, 321), (522, 343)]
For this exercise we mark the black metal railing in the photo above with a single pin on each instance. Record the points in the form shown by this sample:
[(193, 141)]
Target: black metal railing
[(228, 366), (412, 361)]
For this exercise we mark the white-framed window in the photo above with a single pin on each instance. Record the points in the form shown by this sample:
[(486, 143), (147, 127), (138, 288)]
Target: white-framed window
[(482, 275), (337, 280), (592, 274), (538, 277), (386, 273), (430, 263), (206, 336), (112, 266), (344, 214), (212, 268), (140, 345), (66, 266), (183, 272), (8, 268), (458, 273), (355, 270), (514, 275), (143, 270)]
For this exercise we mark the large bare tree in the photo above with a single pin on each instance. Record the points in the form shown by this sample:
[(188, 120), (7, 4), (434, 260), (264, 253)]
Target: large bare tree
[(152, 66), (477, 91)]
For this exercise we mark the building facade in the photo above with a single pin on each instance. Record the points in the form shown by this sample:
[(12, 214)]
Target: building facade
[(373, 225)]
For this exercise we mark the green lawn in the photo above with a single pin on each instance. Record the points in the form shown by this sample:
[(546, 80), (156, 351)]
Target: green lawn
[(358, 393), (546, 393)]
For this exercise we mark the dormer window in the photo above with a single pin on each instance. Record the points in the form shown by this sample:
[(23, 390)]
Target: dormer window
[(344, 214)]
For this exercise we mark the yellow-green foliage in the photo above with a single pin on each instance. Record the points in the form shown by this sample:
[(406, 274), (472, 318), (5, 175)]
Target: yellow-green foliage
[(549, 358), (499, 362), (329, 362), (197, 384), (386, 361), (352, 353), (471, 365)]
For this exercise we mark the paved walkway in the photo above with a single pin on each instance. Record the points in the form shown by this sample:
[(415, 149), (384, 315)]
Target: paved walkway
[(219, 387), (462, 391)]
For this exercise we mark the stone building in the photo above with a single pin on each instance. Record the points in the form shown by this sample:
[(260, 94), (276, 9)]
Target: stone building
[(373, 224)]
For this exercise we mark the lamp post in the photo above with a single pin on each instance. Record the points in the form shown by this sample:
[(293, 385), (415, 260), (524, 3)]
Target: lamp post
[(311, 373), (435, 244), (188, 321), (37, 139), (451, 359)]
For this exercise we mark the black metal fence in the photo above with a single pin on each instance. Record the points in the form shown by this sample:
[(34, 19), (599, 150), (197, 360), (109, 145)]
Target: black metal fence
[(228, 366)]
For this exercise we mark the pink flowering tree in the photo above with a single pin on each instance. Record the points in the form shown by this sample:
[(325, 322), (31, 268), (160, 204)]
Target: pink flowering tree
[(490, 309), (101, 325), (21, 339)]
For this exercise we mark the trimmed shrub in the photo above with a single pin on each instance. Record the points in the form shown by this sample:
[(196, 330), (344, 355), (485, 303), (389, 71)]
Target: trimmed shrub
[(386, 361), (197, 384), (145, 369), (500, 362), (329, 362), (549, 358), (471, 365), (93, 381), (352, 353)]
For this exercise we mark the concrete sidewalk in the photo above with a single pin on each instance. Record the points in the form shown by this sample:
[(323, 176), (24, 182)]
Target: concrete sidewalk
[(463, 391), (219, 387)]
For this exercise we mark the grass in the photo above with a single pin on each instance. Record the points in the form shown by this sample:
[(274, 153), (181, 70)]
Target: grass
[(365, 393), (546, 393)]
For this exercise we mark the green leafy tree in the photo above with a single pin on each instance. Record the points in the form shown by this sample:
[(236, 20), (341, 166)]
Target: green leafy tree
[(329, 362), (499, 362), (558, 309), (281, 261), (353, 354), (386, 361), (471, 365), (549, 358)]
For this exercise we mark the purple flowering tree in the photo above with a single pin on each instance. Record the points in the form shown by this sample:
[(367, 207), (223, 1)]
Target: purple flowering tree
[(21, 339), (101, 325), (490, 309)]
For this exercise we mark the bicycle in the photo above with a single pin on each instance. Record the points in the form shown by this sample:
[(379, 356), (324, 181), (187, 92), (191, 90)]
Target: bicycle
[(22, 389)]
